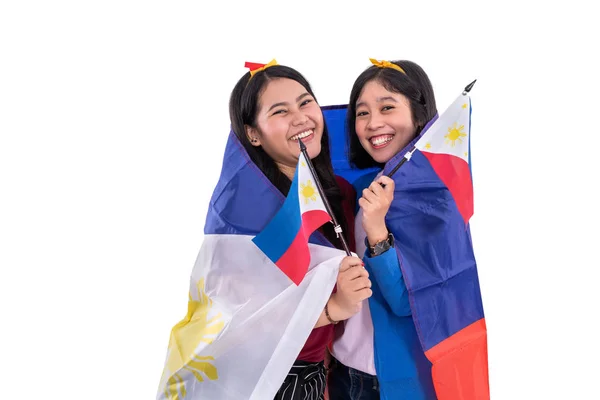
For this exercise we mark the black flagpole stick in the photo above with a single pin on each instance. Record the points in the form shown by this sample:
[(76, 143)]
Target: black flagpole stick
[(336, 226), (407, 157), (469, 87), (409, 154)]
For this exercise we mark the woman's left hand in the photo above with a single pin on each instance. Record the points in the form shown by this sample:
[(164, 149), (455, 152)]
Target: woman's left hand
[(375, 203)]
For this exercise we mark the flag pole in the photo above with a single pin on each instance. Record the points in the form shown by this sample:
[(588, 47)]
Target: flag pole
[(336, 227), (469, 87), (406, 157), (409, 154)]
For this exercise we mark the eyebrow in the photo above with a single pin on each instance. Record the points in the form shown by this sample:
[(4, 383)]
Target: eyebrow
[(284, 103), (379, 100)]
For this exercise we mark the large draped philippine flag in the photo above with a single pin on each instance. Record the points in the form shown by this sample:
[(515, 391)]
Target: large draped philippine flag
[(433, 202), (247, 320)]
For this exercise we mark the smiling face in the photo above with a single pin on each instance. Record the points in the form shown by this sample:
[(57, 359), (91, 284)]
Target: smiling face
[(287, 113), (384, 123)]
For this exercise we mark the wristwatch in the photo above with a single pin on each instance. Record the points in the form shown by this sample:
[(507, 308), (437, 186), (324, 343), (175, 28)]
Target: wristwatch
[(381, 247)]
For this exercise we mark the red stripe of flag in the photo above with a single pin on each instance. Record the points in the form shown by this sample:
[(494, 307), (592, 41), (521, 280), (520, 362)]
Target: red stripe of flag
[(456, 175), (460, 368), (295, 261)]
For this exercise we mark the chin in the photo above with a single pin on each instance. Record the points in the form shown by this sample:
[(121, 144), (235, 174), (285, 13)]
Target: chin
[(382, 158), (313, 149)]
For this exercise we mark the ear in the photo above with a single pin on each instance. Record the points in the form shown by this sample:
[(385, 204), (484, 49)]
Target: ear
[(252, 135)]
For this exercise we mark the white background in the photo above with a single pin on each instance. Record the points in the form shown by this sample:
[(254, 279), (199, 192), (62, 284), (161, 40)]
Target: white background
[(113, 119)]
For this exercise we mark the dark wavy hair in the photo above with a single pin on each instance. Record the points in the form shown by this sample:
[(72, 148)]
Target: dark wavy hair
[(243, 109), (414, 85)]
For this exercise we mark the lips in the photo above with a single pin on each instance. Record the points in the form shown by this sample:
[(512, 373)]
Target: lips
[(380, 141), (304, 135)]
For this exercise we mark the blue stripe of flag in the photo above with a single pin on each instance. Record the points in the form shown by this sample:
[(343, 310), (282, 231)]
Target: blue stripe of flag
[(280, 232)]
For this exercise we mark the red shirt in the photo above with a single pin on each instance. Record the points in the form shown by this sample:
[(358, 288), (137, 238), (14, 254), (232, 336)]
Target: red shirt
[(319, 338)]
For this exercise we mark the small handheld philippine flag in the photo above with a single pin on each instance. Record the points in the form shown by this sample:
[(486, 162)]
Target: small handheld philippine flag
[(285, 238), (446, 145)]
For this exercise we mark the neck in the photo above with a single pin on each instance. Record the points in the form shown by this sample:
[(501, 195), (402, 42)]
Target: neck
[(287, 170)]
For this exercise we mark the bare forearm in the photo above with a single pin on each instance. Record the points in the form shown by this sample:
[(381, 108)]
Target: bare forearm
[(334, 314), (322, 321)]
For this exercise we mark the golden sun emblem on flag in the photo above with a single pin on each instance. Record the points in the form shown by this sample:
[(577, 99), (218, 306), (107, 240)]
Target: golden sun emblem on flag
[(186, 336), (308, 191), (455, 133)]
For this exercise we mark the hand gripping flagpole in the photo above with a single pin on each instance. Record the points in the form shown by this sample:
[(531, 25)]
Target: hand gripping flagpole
[(336, 226), (409, 154)]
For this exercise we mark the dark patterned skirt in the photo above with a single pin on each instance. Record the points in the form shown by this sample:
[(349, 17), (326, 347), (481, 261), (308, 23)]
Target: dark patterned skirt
[(305, 381)]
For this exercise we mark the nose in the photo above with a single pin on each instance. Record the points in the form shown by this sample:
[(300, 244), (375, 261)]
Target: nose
[(299, 118), (375, 122)]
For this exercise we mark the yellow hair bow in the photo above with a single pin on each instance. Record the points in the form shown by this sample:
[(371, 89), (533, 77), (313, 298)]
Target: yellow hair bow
[(254, 67), (386, 64)]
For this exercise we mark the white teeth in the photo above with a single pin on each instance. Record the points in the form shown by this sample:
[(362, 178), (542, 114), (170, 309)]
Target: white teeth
[(378, 141), (302, 135)]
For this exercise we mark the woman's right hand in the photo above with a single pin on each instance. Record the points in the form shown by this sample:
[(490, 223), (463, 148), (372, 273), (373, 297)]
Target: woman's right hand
[(353, 286), (375, 203)]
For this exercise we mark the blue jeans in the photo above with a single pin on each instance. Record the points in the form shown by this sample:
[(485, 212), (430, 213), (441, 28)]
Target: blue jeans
[(347, 383)]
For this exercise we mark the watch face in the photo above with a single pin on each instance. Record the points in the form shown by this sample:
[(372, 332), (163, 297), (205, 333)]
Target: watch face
[(383, 246)]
